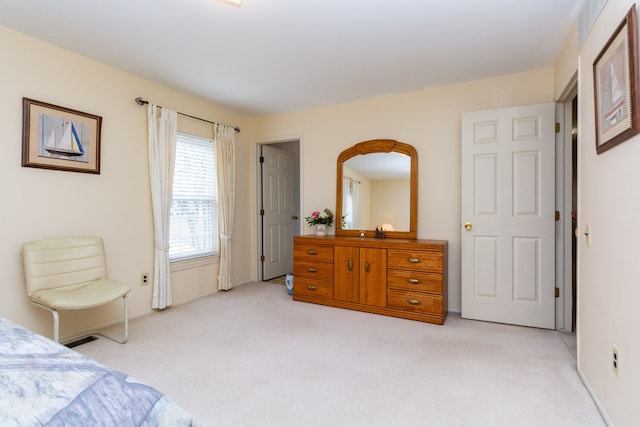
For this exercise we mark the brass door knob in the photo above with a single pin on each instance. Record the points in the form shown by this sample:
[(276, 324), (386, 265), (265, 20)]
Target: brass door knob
[(468, 226), (294, 217)]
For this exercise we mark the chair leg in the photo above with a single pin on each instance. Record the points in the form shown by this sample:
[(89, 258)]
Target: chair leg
[(126, 324), (56, 326), (56, 323), (126, 318)]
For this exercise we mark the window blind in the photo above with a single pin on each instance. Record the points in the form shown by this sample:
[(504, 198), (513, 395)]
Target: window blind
[(194, 208)]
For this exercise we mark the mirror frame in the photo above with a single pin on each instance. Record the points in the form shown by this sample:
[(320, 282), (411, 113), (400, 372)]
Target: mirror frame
[(380, 146)]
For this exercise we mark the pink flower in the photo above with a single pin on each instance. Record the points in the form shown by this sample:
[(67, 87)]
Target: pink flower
[(317, 217)]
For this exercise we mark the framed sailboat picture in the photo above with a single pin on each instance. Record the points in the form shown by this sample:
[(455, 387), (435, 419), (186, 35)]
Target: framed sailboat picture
[(59, 138), (615, 75)]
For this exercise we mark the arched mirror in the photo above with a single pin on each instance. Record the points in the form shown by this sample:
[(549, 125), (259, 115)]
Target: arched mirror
[(377, 186)]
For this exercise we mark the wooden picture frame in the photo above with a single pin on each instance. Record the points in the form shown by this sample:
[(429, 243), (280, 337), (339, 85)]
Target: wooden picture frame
[(59, 138), (615, 78)]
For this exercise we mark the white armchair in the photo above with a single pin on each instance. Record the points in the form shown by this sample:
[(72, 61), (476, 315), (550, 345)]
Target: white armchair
[(70, 273)]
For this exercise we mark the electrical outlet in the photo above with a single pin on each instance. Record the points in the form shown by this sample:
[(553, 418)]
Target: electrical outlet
[(144, 279), (616, 361)]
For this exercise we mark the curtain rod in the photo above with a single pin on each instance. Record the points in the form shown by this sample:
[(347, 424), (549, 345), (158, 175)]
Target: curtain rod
[(141, 102)]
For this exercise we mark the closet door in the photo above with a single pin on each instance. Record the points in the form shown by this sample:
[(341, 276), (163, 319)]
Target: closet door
[(373, 277)]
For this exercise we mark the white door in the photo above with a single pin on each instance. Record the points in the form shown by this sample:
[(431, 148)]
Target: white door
[(508, 214), (279, 218)]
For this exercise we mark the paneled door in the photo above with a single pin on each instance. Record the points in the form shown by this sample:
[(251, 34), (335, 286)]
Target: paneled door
[(508, 215), (278, 215)]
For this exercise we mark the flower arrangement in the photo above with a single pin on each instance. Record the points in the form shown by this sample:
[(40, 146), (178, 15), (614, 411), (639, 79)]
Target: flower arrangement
[(325, 217)]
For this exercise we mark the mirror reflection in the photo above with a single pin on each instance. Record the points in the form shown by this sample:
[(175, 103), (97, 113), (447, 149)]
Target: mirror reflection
[(377, 186), (376, 192)]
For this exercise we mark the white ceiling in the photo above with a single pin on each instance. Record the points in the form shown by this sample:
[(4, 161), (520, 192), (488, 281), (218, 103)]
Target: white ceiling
[(271, 56), (376, 166)]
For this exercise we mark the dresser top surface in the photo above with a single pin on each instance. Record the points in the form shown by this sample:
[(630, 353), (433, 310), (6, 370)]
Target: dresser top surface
[(368, 241)]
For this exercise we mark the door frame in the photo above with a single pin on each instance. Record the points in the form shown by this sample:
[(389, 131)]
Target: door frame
[(293, 145), (564, 193)]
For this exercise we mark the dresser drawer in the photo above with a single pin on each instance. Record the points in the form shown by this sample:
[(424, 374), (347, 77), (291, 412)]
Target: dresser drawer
[(313, 270), (415, 260), (414, 301), (311, 287), (415, 280), (313, 253)]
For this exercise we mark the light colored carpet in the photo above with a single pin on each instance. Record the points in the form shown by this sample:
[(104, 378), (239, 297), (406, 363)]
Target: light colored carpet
[(254, 357)]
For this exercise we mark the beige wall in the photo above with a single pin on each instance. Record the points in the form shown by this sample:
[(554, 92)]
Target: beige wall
[(429, 120), (566, 66), (116, 203), (390, 199), (609, 291)]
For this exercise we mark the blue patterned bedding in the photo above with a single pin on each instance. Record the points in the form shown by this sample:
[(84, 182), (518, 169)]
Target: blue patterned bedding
[(46, 384)]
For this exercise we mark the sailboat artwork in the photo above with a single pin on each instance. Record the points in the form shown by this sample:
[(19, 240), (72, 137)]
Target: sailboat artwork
[(62, 138), (616, 105), (615, 93)]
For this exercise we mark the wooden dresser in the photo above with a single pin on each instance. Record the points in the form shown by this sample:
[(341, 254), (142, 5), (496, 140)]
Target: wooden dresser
[(394, 277)]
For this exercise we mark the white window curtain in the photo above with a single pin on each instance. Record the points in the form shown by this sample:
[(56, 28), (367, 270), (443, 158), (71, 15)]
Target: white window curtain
[(355, 186), (350, 201), (163, 129), (224, 138)]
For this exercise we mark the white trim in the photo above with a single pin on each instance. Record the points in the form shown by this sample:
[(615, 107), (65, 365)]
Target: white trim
[(586, 384), (564, 190), (190, 263)]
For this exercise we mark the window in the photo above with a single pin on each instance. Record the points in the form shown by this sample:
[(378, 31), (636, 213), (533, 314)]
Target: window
[(350, 202), (193, 227)]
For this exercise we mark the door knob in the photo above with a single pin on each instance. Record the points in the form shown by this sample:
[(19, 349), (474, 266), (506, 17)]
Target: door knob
[(294, 217), (468, 226)]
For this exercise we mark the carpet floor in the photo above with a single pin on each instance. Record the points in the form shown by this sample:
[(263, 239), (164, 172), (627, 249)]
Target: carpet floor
[(253, 357)]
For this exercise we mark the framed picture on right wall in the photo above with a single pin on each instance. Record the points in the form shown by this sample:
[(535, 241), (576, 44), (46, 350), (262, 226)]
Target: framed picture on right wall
[(615, 79)]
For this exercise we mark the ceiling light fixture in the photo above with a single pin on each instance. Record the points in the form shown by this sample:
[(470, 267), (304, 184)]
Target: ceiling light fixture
[(233, 2)]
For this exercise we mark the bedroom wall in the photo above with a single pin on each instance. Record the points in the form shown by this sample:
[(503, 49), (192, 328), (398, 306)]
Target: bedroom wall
[(429, 120), (608, 292), (566, 66), (390, 203), (116, 204)]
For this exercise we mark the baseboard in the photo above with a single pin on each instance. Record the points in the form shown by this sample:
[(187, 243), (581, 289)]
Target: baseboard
[(603, 413)]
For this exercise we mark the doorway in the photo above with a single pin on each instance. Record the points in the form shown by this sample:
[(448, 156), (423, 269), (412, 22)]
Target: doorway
[(567, 202), (278, 173)]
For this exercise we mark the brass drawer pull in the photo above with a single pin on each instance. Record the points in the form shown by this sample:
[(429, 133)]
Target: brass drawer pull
[(414, 281), (366, 266), (311, 287), (413, 260), (413, 301), (350, 264), (312, 270), (312, 252)]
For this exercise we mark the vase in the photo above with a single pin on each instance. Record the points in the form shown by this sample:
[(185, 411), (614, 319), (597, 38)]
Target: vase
[(321, 230)]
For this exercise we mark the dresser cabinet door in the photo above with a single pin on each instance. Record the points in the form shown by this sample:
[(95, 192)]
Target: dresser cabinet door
[(373, 277), (346, 282)]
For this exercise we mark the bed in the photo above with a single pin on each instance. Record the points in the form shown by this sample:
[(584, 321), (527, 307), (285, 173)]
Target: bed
[(44, 383)]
